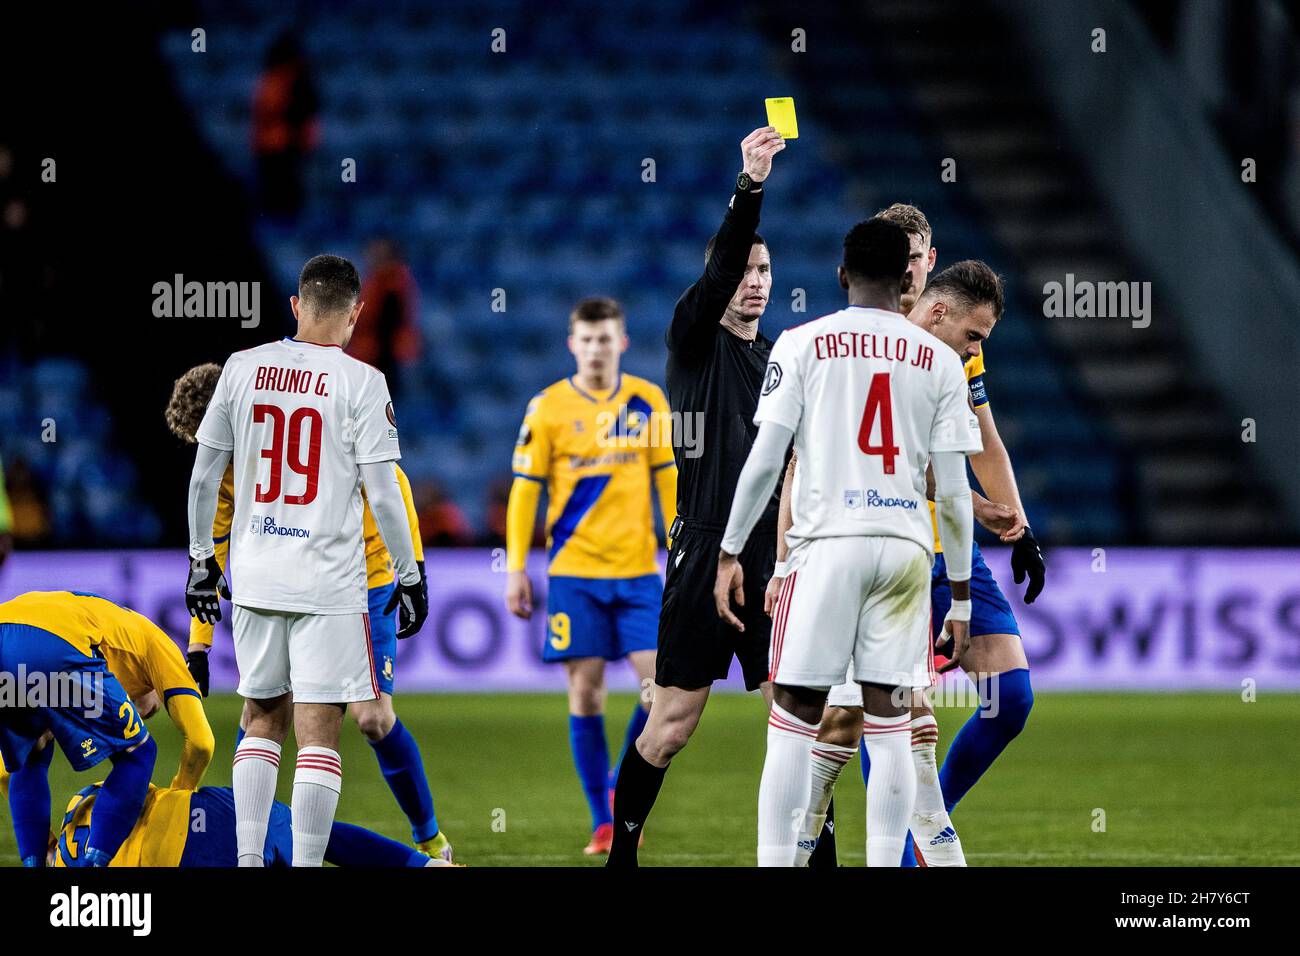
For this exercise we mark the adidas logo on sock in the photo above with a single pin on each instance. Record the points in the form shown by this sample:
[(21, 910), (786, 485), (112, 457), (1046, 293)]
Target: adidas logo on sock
[(630, 825), (946, 835)]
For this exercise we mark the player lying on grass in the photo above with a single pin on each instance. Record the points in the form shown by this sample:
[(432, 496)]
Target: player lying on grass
[(597, 441), (395, 748), (197, 828), (58, 636), (870, 400)]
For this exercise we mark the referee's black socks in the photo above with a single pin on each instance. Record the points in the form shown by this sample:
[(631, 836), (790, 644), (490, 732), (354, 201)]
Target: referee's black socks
[(635, 792)]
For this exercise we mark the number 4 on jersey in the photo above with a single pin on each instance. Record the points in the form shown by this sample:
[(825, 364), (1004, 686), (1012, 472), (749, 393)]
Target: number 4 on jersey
[(879, 406)]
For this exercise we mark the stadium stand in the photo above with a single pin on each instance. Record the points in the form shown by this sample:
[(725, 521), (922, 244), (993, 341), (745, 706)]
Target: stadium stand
[(567, 212), (527, 172)]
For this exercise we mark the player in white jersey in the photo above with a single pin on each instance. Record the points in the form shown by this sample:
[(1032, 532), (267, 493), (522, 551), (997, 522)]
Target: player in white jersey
[(870, 400), (305, 425)]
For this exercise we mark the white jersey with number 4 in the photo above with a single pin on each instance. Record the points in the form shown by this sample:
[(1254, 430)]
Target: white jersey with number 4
[(299, 418), (870, 397)]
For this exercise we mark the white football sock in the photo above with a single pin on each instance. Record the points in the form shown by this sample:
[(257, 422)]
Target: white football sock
[(317, 781), (935, 839), (891, 788), (827, 762), (253, 776), (784, 789), (925, 735)]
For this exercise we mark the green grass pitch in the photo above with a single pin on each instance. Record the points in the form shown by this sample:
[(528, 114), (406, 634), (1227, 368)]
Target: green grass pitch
[(1182, 779)]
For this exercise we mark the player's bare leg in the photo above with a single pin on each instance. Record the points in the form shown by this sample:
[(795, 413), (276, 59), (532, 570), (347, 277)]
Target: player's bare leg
[(269, 718), (841, 726), (673, 718), (255, 771), (994, 654), (787, 770), (891, 789), (375, 718), (643, 663), (587, 691), (674, 715), (317, 780)]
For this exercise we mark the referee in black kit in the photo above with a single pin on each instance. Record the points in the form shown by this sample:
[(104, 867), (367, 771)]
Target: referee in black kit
[(716, 362)]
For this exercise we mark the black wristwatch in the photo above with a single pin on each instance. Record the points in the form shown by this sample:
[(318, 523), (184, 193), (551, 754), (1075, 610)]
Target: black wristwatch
[(746, 184)]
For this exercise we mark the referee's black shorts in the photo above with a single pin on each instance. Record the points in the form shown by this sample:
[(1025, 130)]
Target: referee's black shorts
[(695, 645)]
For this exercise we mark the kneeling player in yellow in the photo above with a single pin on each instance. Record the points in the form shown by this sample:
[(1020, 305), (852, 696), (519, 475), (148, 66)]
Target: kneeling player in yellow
[(116, 656)]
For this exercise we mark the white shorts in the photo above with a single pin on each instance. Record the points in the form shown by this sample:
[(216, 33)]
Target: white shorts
[(849, 693), (321, 658), (859, 605)]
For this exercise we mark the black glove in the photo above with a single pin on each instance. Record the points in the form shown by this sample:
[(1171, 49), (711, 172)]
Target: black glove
[(1026, 558), (424, 582), (206, 582), (412, 605), (197, 662)]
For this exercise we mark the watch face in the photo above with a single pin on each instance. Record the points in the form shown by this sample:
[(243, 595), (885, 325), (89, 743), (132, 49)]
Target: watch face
[(743, 182)]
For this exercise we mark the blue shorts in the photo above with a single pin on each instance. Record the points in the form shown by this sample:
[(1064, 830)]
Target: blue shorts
[(602, 617), (989, 613), (217, 843), (383, 634), (98, 723)]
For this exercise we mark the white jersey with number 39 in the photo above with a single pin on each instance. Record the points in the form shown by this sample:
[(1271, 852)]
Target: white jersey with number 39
[(869, 396), (299, 419)]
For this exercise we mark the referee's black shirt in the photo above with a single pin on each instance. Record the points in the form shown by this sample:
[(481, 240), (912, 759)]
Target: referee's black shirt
[(713, 372)]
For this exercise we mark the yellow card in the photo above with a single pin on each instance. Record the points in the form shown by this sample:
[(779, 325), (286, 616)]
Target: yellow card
[(780, 113)]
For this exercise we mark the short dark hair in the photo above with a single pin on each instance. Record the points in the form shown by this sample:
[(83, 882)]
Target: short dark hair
[(596, 308), (713, 241), (971, 282), (876, 250), (330, 284)]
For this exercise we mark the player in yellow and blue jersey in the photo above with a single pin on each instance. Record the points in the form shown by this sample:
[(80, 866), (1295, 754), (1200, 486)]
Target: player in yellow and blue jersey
[(164, 836), (395, 748), (960, 307), (150, 668), (56, 687), (596, 441)]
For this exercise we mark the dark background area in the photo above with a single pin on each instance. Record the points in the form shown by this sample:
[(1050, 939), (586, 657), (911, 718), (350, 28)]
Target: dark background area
[(474, 165)]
